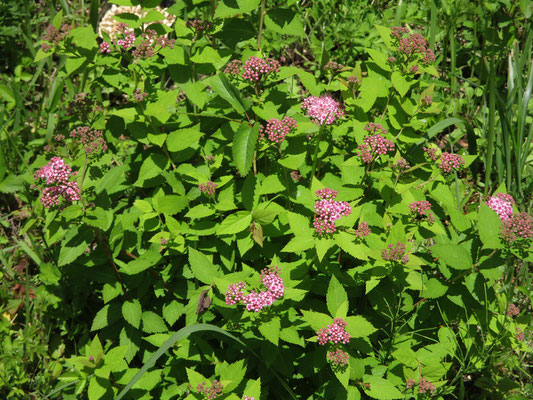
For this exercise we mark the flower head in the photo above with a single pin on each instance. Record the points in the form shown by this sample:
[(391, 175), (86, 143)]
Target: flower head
[(57, 178), (517, 229), (451, 162), (338, 358), (211, 392), (502, 204), (328, 211), (235, 293), (208, 188), (422, 209), (276, 129), (255, 68), (395, 253), (323, 110), (334, 333)]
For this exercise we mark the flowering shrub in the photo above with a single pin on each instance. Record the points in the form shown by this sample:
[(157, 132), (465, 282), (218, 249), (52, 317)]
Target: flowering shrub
[(182, 198)]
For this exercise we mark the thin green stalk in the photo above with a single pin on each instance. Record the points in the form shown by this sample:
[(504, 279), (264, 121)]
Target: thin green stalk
[(491, 86), (261, 21), (432, 25), (317, 148)]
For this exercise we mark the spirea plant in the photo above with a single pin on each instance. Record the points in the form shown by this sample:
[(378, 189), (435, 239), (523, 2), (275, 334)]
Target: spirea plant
[(228, 226)]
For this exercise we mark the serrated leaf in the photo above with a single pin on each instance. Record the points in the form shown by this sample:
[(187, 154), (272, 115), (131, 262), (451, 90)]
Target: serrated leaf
[(182, 139), (453, 255), (202, 267), (74, 245), (400, 83), (132, 312), (489, 227), (346, 242), (244, 147), (316, 320), (322, 246), (153, 323), (433, 289), (227, 9), (235, 223), (336, 299), (270, 330), (223, 87), (382, 389), (284, 21), (359, 327), (234, 373)]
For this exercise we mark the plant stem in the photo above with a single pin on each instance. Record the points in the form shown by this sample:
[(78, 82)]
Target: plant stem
[(317, 147), (261, 21)]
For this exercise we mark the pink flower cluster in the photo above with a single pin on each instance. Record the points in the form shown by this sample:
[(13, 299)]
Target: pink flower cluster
[(255, 68), (145, 48), (276, 129), (420, 209), (519, 334), (395, 253), (450, 162), (431, 153), (411, 45), (208, 187), (256, 301), (328, 211), (323, 110), (93, 140), (334, 333), (374, 146), (57, 175), (424, 385), (502, 204), (248, 398), (338, 358), (212, 392), (517, 229), (54, 36), (513, 311), (362, 230)]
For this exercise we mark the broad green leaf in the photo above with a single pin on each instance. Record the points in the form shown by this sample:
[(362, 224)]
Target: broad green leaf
[(182, 139), (453, 255), (84, 38), (223, 87), (142, 263), (382, 389), (316, 320), (74, 244), (152, 167), (284, 21), (358, 326), (343, 376), (74, 64), (379, 58), (400, 83), (164, 107), (322, 246), (253, 388), (346, 242), (132, 312), (292, 162), (434, 288), (235, 223), (229, 8), (233, 374), (97, 388), (270, 330), (336, 299), (300, 225), (202, 268), (299, 243), (489, 227), (99, 218), (271, 184), (153, 323), (244, 147)]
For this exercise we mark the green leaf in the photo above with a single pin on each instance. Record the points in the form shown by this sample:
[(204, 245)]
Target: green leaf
[(382, 389), (271, 184), (316, 320), (233, 374), (57, 20), (164, 107), (74, 244), (153, 323), (253, 388), (300, 224), (97, 388), (357, 250), (229, 8), (284, 21), (142, 263), (336, 299), (74, 64), (235, 223), (359, 327), (202, 268), (322, 246), (400, 83), (379, 58), (244, 147), (434, 288), (99, 218), (132, 311), (299, 243), (151, 168), (489, 227), (441, 125), (84, 38), (453, 255), (292, 162), (223, 87), (183, 139), (270, 330)]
